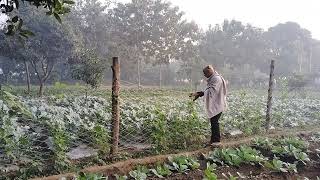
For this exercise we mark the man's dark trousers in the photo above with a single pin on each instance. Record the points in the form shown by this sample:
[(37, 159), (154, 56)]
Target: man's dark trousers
[(215, 129)]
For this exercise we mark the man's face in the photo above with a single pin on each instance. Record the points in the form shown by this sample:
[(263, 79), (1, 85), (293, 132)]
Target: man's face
[(207, 72)]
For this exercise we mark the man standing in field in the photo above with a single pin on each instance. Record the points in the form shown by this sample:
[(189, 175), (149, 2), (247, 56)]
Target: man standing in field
[(215, 100)]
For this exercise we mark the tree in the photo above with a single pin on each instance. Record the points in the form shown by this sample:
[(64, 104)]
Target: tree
[(87, 67), (290, 44), (156, 31), (50, 47), (87, 26)]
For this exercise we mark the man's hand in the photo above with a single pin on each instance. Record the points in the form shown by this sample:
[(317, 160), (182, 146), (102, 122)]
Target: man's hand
[(196, 95)]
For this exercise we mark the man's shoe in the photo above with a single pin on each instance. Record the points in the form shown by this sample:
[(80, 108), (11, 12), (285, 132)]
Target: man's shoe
[(216, 144), (208, 145), (213, 144)]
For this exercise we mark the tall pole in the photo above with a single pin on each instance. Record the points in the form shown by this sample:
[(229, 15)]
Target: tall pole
[(115, 105), (269, 102)]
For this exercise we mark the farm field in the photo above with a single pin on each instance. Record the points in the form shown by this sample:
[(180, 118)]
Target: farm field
[(67, 130), (122, 89)]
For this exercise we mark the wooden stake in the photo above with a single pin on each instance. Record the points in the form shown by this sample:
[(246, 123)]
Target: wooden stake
[(115, 105), (269, 102)]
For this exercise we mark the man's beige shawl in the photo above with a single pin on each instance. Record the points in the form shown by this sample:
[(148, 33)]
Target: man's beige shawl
[(215, 95)]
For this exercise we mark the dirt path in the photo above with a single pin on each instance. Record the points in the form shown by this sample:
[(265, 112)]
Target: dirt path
[(125, 167)]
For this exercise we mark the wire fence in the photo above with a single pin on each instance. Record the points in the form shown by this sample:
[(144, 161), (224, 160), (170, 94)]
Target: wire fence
[(54, 134)]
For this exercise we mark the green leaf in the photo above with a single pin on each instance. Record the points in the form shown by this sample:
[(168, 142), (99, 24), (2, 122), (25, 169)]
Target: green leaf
[(156, 173), (210, 175), (57, 5), (56, 15)]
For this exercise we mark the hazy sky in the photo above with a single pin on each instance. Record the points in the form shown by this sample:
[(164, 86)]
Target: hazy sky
[(260, 13)]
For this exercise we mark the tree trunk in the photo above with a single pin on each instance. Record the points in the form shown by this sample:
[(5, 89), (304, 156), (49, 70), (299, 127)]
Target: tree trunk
[(139, 73), (160, 77), (41, 88), (28, 76)]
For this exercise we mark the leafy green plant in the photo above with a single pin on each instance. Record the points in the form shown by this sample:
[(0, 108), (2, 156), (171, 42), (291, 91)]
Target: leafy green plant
[(276, 165), (101, 138), (301, 157), (293, 141), (85, 176), (161, 171), (263, 143), (140, 173), (291, 167), (250, 155), (280, 166), (183, 164), (209, 172), (290, 149), (235, 157), (230, 157), (285, 150)]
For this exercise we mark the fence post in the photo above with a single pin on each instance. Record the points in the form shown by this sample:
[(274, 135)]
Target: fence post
[(115, 105), (269, 102)]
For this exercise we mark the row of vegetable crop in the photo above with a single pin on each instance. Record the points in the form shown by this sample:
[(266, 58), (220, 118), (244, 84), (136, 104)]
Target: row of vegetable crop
[(244, 155)]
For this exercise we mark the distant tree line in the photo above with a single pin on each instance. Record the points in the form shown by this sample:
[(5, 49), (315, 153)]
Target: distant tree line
[(155, 43)]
